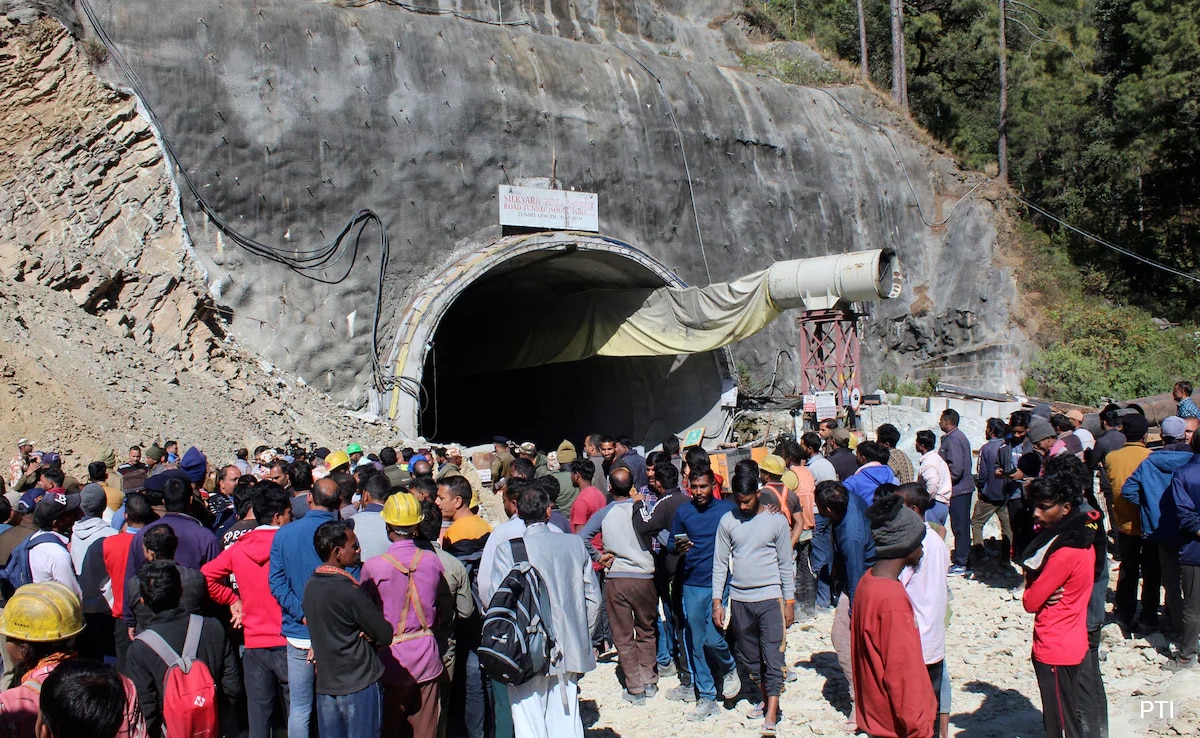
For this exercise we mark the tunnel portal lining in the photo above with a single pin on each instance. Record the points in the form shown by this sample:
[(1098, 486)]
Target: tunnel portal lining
[(424, 314)]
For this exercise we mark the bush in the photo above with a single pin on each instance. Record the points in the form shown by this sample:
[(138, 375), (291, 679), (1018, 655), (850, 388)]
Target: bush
[(1112, 352)]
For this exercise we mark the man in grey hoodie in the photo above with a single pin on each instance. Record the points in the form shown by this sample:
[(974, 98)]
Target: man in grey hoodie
[(97, 640)]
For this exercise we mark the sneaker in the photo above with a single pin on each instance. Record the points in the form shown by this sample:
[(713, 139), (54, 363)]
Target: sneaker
[(667, 670), (731, 685), (682, 694), (704, 710), (958, 571), (1181, 664), (633, 699), (651, 691)]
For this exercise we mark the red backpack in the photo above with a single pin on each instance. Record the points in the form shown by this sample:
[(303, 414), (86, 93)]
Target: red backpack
[(189, 695)]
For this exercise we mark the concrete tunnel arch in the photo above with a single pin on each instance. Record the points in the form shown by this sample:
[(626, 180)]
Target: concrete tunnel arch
[(444, 391)]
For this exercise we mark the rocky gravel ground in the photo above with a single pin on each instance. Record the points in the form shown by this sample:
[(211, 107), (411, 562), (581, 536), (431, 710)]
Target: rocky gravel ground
[(994, 689)]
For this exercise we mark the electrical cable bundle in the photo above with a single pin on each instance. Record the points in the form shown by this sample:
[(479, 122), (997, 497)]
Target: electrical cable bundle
[(310, 264)]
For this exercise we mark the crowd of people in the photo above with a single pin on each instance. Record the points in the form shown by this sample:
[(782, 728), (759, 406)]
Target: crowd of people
[(341, 593)]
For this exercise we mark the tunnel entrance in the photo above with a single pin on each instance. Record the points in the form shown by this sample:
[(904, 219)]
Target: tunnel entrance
[(470, 390)]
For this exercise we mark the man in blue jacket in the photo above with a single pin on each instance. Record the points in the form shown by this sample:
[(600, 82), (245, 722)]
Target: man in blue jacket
[(1185, 493), (293, 560), (873, 470), (694, 535), (1149, 488), (853, 554)]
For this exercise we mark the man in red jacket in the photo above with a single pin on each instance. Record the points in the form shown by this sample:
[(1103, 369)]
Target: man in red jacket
[(890, 701), (115, 552), (1060, 569), (253, 608)]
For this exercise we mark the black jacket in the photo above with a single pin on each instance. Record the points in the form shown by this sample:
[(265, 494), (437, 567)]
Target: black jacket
[(195, 599), (338, 614), (147, 671), (845, 463)]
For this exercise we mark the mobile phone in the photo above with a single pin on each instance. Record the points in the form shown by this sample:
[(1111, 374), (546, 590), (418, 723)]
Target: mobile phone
[(681, 538)]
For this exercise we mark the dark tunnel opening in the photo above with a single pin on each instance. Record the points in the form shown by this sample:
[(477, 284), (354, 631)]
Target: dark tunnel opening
[(471, 396)]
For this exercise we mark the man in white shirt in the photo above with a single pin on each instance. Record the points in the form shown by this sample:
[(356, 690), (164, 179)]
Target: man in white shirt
[(1083, 434), (49, 560), (935, 474)]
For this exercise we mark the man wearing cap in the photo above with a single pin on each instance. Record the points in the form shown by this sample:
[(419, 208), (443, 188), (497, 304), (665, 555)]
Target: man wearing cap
[(567, 490), (1148, 488), (501, 458), (154, 457), (20, 462), (1172, 430), (529, 450), (197, 544), (87, 556), (355, 453), (838, 453), (54, 515), (1067, 442), (1138, 560), (886, 644), (1086, 439), (873, 470), (404, 582)]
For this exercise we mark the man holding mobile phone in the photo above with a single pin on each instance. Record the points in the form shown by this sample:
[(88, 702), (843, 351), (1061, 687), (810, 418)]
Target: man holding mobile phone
[(698, 522)]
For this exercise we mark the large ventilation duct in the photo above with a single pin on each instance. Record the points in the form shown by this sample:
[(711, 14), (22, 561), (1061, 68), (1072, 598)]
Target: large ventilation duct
[(671, 321)]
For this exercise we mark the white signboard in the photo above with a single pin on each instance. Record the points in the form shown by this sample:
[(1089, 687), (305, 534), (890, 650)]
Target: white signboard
[(826, 405), (530, 207)]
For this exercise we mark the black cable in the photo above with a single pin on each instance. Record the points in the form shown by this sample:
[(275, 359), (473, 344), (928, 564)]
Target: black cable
[(303, 262)]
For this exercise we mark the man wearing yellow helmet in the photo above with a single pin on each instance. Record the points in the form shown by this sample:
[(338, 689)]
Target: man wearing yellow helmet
[(41, 621), (405, 583)]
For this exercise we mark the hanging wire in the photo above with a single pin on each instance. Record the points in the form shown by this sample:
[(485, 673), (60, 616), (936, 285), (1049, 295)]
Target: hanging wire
[(1106, 244), (310, 264)]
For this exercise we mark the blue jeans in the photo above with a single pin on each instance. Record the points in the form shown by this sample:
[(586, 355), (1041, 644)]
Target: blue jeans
[(470, 702), (666, 643), (710, 653), (301, 682), (357, 715), (938, 514), (821, 560)]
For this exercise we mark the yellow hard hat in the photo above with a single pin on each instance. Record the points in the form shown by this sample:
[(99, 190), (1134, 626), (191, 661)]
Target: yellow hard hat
[(773, 465), (401, 510), (336, 459), (43, 612)]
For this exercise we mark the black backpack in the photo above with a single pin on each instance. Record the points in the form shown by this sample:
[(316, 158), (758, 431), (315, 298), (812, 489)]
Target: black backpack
[(517, 642)]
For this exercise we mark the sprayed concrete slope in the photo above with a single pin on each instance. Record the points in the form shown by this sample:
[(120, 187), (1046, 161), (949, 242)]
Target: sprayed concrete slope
[(289, 115)]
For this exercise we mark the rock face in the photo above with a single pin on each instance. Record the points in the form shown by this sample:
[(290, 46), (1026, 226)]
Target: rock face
[(111, 338), (290, 115)]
